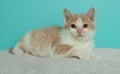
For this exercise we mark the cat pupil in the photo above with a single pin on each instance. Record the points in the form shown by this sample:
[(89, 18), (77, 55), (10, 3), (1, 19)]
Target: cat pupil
[(85, 25), (73, 25)]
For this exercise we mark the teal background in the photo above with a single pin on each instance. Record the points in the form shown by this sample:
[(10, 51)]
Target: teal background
[(19, 16)]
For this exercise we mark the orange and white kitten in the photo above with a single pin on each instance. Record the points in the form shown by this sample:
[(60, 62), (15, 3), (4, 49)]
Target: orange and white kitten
[(75, 39)]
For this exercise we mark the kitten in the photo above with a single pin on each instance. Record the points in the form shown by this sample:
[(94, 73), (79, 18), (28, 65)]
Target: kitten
[(75, 39)]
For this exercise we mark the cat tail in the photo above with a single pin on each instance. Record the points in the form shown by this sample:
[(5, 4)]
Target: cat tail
[(16, 50)]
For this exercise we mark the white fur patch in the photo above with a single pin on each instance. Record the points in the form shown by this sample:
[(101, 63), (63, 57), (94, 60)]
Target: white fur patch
[(27, 41), (17, 51), (79, 23), (80, 44)]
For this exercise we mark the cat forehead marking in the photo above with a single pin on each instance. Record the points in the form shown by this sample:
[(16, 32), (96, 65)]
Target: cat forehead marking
[(79, 22)]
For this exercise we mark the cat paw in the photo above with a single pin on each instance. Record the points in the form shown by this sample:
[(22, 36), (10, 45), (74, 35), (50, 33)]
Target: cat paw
[(16, 51), (75, 57), (30, 52), (84, 56)]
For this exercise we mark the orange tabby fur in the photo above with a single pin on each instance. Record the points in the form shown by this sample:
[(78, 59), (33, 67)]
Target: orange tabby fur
[(50, 41)]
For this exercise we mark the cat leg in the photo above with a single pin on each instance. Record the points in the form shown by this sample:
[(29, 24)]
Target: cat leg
[(31, 52), (19, 51), (16, 50), (82, 54)]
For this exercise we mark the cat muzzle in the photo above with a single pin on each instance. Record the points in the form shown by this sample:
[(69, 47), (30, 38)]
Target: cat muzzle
[(79, 32)]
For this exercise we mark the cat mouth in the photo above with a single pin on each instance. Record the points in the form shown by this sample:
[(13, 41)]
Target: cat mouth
[(79, 35)]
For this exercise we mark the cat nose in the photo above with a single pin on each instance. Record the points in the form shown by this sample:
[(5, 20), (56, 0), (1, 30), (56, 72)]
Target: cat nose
[(79, 31)]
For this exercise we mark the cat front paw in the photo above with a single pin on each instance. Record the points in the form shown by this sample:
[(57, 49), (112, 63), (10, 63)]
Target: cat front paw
[(83, 56), (86, 56)]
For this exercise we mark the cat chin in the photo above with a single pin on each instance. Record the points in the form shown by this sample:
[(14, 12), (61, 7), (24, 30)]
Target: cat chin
[(84, 37)]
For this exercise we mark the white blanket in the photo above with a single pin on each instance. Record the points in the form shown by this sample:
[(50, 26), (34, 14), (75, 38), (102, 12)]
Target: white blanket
[(26, 64)]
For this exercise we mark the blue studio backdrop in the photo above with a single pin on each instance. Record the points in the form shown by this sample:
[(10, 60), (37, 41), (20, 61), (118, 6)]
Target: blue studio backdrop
[(20, 16)]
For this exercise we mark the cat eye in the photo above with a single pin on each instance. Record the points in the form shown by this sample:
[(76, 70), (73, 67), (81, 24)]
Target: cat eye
[(85, 25), (73, 25)]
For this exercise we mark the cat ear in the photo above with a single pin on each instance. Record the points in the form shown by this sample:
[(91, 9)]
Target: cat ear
[(67, 15), (91, 14)]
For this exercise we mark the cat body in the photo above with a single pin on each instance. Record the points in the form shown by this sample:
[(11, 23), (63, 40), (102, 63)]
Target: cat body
[(75, 39)]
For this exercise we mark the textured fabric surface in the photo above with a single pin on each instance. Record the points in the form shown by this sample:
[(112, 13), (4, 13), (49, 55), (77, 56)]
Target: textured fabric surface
[(109, 63)]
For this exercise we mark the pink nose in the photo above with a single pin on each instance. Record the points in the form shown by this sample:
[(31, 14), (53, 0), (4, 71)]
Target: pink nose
[(79, 31)]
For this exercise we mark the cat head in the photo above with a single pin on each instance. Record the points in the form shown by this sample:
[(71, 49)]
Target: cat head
[(80, 25)]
